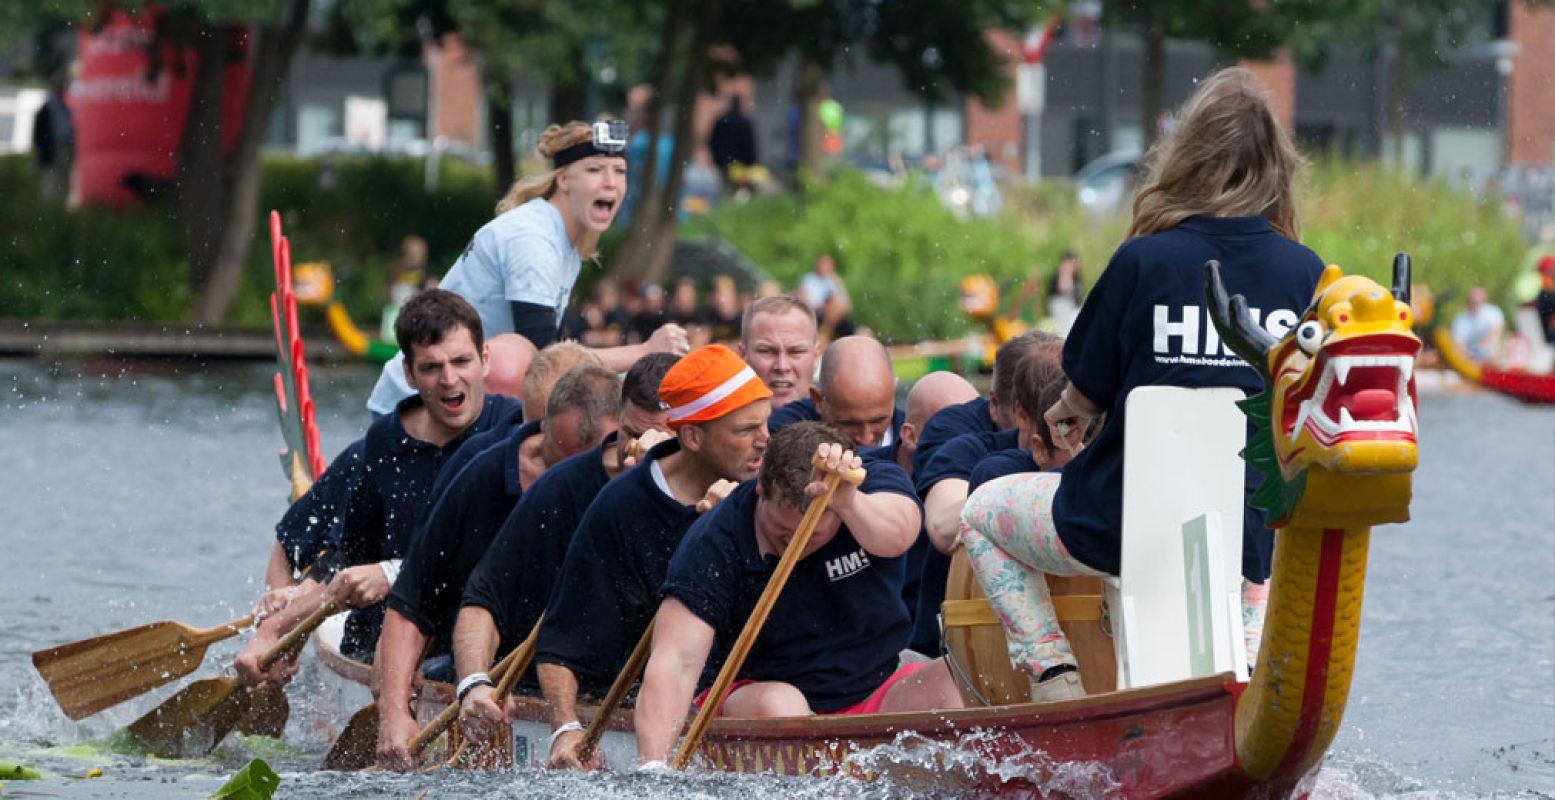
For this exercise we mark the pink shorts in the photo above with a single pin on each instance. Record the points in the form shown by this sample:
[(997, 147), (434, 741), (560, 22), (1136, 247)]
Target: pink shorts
[(869, 705)]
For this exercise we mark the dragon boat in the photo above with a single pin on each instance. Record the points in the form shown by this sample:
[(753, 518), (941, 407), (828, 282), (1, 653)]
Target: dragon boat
[(1337, 440)]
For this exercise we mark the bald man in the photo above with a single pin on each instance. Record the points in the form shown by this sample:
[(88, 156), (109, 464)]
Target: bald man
[(931, 393), (856, 394), (509, 356)]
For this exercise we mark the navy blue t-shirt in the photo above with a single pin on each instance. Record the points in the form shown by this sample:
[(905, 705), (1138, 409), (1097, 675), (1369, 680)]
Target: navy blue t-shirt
[(456, 532), (513, 581), (912, 560), (954, 459), (608, 588), (1145, 324), (390, 497), (1005, 462), (838, 628), (803, 410), (948, 423), (306, 527)]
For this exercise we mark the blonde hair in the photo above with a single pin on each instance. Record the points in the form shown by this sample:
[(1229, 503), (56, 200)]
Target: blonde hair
[(1227, 157), (548, 367), (553, 140)]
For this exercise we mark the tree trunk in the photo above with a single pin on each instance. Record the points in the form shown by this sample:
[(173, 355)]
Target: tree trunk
[(662, 246), (201, 177), (499, 121), (274, 46), (650, 197), (807, 92), (1154, 69)]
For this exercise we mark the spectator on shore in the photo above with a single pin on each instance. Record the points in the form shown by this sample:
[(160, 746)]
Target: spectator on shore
[(406, 277), (1478, 327), (650, 313), (1065, 292), (722, 315), (54, 140), (733, 141), (823, 290)]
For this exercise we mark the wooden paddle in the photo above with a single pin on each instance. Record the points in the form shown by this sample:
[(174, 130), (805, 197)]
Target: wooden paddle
[(88, 676), (607, 708), (769, 596), (357, 745), (507, 672), (639, 657), (198, 717)]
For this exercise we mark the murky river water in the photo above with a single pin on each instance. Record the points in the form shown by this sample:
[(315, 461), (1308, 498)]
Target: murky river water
[(139, 492)]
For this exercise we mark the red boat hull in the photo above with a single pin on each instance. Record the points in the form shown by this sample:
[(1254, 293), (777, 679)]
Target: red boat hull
[(1530, 387)]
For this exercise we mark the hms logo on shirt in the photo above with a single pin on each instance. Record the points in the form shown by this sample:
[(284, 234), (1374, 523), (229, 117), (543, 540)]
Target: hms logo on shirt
[(1185, 335), (844, 566)]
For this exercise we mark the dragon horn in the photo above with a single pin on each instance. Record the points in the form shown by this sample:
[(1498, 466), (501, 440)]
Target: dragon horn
[(1401, 277), (1236, 326)]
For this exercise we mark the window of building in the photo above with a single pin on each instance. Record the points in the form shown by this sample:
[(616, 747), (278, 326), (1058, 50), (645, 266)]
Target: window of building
[(317, 124)]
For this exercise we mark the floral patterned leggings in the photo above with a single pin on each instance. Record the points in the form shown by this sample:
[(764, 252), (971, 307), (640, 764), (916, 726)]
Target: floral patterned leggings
[(1007, 527)]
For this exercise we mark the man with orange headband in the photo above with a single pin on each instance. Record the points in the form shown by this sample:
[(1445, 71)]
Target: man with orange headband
[(608, 589)]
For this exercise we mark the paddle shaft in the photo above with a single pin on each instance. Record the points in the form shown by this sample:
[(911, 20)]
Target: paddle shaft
[(506, 671), (634, 667), (295, 638), (769, 596)]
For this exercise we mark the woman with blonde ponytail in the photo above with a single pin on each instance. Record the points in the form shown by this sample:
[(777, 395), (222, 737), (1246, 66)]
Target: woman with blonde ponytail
[(519, 269), (1219, 189)]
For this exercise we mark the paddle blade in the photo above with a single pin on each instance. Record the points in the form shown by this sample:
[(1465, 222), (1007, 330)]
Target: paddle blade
[(357, 746), (267, 713), (88, 676), (192, 722)]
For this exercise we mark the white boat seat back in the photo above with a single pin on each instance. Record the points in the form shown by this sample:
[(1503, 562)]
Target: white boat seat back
[(1181, 465)]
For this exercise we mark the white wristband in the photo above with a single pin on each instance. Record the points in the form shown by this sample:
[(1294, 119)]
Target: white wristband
[(391, 569), (565, 728), (471, 681)]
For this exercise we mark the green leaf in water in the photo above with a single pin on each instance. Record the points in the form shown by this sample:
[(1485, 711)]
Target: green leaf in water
[(12, 771), (255, 781)]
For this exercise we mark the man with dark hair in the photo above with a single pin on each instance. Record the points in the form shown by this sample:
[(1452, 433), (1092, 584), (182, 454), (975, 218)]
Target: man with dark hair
[(832, 642), (778, 339), (384, 480), (856, 394), (584, 405), (609, 581), (511, 584), (943, 480)]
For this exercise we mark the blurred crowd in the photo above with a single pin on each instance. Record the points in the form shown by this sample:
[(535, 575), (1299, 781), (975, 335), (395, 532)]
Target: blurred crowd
[(628, 311)]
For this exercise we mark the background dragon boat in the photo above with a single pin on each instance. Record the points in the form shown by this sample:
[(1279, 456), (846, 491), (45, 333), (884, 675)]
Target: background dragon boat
[(1337, 438)]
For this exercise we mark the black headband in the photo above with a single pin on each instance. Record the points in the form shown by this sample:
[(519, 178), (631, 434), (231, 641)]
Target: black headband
[(580, 151), (607, 137)]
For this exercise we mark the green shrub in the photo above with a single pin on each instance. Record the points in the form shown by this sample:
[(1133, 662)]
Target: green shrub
[(901, 253), (1358, 215)]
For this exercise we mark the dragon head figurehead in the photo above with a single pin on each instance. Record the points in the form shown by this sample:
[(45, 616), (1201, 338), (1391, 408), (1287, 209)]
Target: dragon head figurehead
[(1339, 400)]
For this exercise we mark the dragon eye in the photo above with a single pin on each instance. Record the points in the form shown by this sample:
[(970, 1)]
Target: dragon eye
[(1309, 336)]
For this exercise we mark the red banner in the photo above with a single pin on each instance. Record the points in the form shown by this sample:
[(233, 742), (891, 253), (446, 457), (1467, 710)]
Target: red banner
[(128, 118)]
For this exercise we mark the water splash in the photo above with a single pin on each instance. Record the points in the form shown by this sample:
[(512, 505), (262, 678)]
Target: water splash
[(930, 767)]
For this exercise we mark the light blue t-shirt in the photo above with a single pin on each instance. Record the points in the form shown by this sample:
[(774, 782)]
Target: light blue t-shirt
[(522, 256)]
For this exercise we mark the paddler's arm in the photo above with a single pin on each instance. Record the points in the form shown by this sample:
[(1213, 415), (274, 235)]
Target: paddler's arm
[(681, 642), (885, 523), (560, 687), (475, 646), (279, 583), (942, 509), (309, 597), (668, 338), (395, 667)]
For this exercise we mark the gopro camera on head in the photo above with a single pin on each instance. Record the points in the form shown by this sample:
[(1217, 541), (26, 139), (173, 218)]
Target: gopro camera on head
[(611, 135)]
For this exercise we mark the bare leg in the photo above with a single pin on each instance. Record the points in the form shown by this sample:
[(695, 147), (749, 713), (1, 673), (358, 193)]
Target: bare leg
[(929, 689), (766, 699)]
